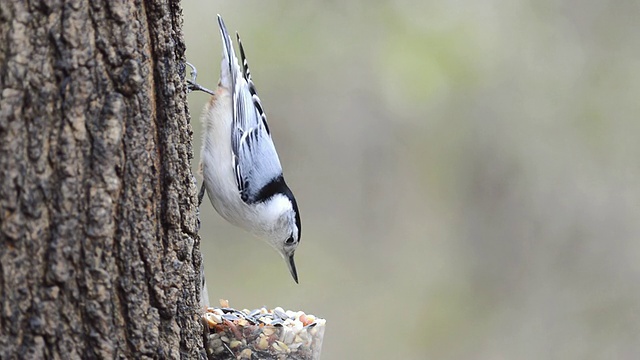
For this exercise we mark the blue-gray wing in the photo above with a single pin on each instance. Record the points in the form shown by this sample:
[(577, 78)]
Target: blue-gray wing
[(255, 159)]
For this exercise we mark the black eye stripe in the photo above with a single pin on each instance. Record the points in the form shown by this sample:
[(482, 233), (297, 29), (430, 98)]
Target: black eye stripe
[(290, 240)]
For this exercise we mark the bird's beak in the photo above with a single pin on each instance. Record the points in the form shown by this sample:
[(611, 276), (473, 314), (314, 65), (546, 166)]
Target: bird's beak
[(292, 268)]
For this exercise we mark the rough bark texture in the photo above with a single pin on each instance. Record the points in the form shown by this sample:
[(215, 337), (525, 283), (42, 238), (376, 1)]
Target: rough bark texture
[(99, 254)]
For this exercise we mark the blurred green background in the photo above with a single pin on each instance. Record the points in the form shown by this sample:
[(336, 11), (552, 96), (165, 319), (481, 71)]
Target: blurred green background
[(467, 173)]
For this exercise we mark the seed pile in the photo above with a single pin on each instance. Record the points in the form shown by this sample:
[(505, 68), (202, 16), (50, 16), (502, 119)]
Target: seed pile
[(263, 334)]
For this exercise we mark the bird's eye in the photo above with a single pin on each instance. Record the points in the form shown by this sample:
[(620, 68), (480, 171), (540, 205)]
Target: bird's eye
[(290, 240)]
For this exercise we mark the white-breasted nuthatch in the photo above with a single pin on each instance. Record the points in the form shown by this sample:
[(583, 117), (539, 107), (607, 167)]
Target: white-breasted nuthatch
[(239, 163)]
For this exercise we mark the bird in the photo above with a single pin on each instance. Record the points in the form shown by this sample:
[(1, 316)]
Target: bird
[(241, 171)]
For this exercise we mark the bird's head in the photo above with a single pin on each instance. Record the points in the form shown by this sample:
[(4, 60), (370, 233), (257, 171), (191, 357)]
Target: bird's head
[(283, 229)]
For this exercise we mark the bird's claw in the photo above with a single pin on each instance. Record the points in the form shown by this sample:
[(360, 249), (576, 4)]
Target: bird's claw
[(192, 85)]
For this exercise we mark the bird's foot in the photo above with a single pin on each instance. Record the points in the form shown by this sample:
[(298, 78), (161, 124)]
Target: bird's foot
[(192, 85)]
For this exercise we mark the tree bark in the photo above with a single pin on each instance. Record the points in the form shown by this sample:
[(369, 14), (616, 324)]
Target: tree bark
[(99, 252)]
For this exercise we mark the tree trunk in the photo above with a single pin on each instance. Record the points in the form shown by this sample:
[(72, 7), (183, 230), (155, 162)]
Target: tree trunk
[(99, 253)]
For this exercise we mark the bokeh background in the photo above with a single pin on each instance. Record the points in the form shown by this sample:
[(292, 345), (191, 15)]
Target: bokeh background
[(467, 173)]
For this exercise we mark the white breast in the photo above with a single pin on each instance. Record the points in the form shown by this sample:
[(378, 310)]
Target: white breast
[(216, 158)]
